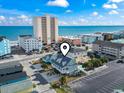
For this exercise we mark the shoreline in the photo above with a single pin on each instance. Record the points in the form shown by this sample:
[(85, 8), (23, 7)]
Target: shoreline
[(68, 31), (65, 25)]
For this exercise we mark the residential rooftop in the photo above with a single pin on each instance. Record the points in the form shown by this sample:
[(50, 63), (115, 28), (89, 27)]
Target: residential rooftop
[(61, 60), (9, 64), (70, 37), (109, 33), (76, 50), (109, 44), (118, 41), (11, 70), (12, 78), (25, 36), (2, 37), (93, 35)]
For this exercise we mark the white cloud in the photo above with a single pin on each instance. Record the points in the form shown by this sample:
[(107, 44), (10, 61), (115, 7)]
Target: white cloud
[(11, 18), (110, 6), (63, 23), (113, 12), (23, 17), (2, 18), (74, 22), (14, 12), (95, 13), (68, 11), (60, 3), (82, 20), (116, 1), (15, 20)]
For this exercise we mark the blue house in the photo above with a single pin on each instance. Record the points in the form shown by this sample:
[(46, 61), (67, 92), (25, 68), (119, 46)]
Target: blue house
[(4, 46), (64, 64)]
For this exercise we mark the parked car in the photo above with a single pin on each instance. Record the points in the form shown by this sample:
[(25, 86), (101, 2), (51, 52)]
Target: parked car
[(120, 61)]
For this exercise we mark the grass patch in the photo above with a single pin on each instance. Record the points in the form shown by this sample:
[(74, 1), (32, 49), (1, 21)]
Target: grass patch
[(46, 66), (36, 62), (71, 78), (60, 90)]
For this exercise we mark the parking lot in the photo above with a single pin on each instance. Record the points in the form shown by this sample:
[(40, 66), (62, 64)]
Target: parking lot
[(101, 82), (34, 72), (51, 76)]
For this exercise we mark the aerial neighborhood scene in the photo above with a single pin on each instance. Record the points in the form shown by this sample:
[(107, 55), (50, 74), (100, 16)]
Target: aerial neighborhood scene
[(62, 46)]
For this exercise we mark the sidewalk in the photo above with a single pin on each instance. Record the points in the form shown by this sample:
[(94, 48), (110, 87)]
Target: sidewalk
[(96, 70), (45, 89)]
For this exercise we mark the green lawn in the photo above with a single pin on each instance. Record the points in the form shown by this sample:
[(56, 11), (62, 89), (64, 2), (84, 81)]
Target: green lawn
[(60, 90)]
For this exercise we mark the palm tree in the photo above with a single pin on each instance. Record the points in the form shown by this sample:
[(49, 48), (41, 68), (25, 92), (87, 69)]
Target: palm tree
[(90, 64), (63, 80), (104, 60), (92, 56), (85, 65), (45, 66), (86, 48), (98, 62), (95, 63)]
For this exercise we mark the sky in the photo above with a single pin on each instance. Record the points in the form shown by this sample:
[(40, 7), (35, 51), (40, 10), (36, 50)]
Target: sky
[(68, 12)]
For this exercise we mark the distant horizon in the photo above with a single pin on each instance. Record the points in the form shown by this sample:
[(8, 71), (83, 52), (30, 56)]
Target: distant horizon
[(12, 32), (66, 25)]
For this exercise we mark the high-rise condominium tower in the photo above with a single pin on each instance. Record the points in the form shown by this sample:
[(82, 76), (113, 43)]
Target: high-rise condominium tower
[(46, 29)]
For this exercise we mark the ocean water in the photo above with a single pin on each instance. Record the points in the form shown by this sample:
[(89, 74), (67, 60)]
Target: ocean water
[(12, 32)]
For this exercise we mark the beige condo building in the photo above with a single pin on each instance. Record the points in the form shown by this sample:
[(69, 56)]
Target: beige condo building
[(46, 29), (109, 49)]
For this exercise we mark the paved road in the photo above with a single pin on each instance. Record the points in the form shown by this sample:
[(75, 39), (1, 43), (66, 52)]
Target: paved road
[(101, 82), (24, 58)]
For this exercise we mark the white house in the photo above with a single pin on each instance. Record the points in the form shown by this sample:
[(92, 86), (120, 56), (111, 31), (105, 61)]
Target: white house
[(29, 44), (76, 52), (90, 38)]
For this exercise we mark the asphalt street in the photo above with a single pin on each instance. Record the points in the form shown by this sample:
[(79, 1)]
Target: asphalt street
[(25, 58), (102, 82)]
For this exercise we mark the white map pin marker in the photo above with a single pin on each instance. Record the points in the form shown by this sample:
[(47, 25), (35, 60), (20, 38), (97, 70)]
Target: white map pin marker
[(64, 47)]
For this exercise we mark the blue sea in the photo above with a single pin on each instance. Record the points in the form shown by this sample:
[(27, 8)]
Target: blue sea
[(12, 32)]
